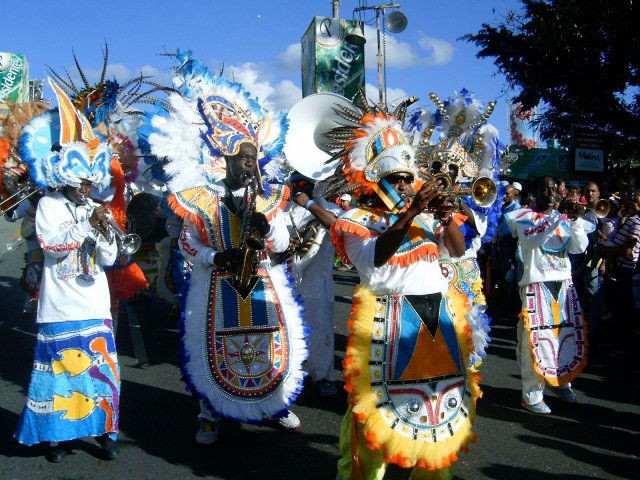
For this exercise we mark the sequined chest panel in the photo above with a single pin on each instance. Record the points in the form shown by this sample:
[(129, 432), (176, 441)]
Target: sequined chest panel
[(418, 377)]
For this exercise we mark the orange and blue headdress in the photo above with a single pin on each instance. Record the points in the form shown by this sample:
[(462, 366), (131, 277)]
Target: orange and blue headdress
[(62, 148), (372, 145)]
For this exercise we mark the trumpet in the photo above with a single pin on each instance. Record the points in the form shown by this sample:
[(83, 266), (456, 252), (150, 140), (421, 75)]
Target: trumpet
[(24, 193), (128, 243), (483, 190), (601, 209)]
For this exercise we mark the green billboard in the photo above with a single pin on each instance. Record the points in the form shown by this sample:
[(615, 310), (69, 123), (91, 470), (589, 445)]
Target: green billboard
[(330, 62), (14, 78), (539, 162)]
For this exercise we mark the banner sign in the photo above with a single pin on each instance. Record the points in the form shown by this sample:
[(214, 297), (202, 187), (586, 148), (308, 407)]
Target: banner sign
[(14, 78), (588, 147), (330, 63), (522, 133), (539, 162)]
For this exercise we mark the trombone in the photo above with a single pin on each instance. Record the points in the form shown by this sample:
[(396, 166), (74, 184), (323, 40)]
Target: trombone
[(25, 192)]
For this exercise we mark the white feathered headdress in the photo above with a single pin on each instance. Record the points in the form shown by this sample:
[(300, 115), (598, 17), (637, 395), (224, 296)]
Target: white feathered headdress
[(212, 117)]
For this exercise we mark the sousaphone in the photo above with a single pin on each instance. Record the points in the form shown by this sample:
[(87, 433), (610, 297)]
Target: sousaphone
[(306, 145)]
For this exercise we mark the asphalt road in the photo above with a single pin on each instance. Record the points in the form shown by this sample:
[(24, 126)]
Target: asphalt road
[(597, 438)]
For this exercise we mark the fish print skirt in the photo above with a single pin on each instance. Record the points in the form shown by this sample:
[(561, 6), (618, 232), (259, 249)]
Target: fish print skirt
[(75, 383)]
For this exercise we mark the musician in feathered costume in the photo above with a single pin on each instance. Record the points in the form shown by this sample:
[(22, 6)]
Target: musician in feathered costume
[(466, 148), (242, 342), (111, 109), (75, 383), (407, 369)]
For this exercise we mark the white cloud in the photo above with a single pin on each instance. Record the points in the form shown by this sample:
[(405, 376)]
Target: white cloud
[(290, 59), (402, 55), (256, 79), (441, 50)]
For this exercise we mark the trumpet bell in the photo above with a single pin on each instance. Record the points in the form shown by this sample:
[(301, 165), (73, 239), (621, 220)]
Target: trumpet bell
[(130, 244), (602, 208), (484, 192)]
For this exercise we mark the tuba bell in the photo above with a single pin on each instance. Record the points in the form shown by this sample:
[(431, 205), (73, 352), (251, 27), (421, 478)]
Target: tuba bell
[(306, 146)]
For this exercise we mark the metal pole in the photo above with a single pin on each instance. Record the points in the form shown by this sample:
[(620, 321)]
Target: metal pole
[(380, 88), (336, 8)]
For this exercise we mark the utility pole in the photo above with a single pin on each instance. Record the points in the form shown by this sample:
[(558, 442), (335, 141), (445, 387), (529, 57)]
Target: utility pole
[(379, 9), (336, 8)]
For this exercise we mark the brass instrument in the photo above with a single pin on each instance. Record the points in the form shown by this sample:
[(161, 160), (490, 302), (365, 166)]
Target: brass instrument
[(601, 209), (128, 243), (302, 243), (483, 190), (250, 241), (24, 193)]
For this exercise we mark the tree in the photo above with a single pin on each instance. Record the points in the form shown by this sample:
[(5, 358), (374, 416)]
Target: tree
[(580, 59)]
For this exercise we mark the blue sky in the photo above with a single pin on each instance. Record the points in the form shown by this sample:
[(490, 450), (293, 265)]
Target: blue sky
[(258, 42)]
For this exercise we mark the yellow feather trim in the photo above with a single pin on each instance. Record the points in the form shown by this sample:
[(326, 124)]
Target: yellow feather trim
[(395, 447)]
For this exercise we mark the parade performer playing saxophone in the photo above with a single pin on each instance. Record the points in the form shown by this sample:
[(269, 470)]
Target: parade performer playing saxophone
[(75, 383), (411, 393), (243, 337)]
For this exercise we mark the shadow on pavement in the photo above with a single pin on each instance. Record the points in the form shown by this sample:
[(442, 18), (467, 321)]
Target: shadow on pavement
[(163, 424)]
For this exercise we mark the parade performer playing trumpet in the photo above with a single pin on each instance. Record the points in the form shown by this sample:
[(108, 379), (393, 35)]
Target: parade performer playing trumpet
[(466, 149), (552, 336), (75, 384), (243, 337), (411, 393)]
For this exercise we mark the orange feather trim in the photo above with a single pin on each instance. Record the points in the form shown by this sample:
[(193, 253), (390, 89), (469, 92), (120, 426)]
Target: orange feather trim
[(427, 251), (5, 149), (118, 205), (126, 282), (186, 214)]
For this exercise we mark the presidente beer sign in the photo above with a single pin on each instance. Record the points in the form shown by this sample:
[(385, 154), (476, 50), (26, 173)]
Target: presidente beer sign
[(330, 63), (14, 78)]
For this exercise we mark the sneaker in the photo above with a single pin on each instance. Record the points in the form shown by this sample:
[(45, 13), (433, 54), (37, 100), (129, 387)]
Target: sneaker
[(327, 388), (56, 453), (539, 407), (109, 446), (565, 394), (289, 422), (208, 433)]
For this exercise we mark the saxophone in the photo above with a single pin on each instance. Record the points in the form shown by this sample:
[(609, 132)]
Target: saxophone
[(250, 240)]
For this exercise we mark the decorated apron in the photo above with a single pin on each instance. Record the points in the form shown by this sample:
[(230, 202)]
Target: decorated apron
[(242, 354), (551, 311), (407, 366)]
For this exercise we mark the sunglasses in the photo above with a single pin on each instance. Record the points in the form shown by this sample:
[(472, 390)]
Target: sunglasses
[(397, 178)]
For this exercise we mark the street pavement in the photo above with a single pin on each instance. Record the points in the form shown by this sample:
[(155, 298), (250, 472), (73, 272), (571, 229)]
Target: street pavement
[(597, 438)]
